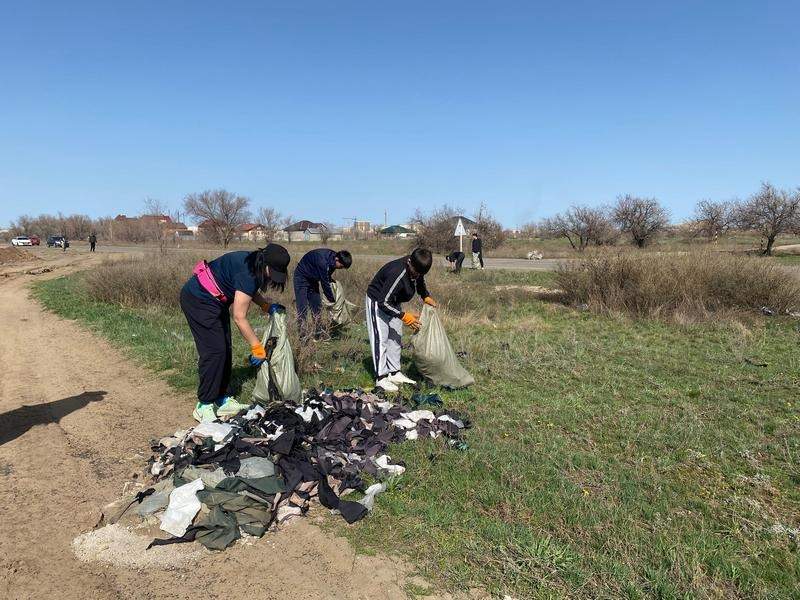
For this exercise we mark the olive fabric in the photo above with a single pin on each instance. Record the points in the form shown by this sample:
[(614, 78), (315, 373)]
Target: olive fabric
[(433, 354)]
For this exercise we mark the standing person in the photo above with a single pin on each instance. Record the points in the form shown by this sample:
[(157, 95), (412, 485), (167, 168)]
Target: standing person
[(64, 244), (315, 271), (92, 242), (477, 251), (395, 283), (228, 284), (456, 259)]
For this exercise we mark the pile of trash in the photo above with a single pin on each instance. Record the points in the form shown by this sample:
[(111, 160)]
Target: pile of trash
[(219, 480)]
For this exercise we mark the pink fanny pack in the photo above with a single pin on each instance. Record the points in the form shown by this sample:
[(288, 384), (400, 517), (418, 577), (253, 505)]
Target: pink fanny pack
[(207, 281)]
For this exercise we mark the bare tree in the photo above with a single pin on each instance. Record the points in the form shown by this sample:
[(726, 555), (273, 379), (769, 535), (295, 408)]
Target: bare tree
[(711, 219), (641, 218), (271, 219), (221, 211), (581, 226), (770, 212), (490, 229)]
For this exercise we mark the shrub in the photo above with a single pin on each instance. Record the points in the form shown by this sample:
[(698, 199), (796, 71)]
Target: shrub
[(688, 287)]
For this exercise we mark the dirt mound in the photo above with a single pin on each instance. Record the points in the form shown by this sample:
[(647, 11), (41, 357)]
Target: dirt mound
[(13, 255)]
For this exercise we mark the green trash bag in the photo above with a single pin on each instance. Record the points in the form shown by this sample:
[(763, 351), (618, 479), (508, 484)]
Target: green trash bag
[(434, 355), (340, 309), (277, 379)]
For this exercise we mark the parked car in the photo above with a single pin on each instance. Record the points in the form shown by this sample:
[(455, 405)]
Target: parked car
[(21, 240), (57, 241), (35, 241)]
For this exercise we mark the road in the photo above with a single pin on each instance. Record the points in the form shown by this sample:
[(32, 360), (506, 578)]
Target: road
[(76, 418), (513, 264)]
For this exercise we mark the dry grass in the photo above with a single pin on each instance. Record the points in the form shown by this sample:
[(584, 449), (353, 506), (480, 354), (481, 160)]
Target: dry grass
[(685, 288)]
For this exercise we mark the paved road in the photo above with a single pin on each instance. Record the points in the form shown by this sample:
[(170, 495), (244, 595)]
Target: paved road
[(514, 264)]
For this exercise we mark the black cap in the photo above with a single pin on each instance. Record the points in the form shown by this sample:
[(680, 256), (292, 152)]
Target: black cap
[(277, 258)]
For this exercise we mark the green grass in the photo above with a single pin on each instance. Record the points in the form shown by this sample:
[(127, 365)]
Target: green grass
[(608, 458)]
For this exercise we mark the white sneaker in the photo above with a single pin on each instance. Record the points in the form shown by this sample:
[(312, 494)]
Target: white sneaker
[(386, 384), (400, 379)]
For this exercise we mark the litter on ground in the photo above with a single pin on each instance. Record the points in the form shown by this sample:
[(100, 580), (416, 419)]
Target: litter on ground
[(218, 481)]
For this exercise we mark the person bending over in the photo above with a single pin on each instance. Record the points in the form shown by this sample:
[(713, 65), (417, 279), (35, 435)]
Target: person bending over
[(314, 271), (228, 285), (456, 259), (396, 282)]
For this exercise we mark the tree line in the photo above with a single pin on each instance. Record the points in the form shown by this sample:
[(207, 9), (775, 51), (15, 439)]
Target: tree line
[(770, 212)]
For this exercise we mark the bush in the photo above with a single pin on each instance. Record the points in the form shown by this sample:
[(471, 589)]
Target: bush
[(689, 287)]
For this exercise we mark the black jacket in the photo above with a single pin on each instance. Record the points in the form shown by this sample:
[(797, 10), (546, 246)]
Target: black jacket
[(392, 285), (477, 245), (318, 266), (454, 256)]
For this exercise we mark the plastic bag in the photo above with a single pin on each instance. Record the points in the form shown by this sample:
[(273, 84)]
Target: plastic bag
[(341, 310), (434, 355), (277, 379)]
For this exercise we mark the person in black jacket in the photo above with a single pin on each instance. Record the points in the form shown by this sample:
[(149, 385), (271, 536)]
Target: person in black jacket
[(396, 282), (477, 251), (456, 259), (315, 271)]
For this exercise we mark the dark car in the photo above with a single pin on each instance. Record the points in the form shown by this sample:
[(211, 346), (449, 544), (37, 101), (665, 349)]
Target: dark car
[(57, 241)]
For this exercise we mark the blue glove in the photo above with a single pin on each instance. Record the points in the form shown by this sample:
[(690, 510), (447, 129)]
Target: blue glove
[(255, 361), (275, 307)]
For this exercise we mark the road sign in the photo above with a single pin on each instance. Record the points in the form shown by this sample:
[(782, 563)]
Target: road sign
[(460, 233)]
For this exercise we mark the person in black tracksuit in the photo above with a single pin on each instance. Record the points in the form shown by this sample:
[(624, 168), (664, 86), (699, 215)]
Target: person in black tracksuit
[(396, 282), (477, 251), (315, 271), (456, 259)]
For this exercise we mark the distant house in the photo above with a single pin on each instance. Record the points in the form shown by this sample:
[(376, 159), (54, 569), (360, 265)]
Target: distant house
[(306, 231), (397, 231), (252, 232)]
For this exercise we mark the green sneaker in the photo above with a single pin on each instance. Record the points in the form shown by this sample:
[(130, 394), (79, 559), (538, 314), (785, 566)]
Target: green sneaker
[(230, 407), (204, 413)]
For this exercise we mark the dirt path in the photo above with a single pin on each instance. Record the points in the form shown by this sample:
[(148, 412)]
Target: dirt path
[(73, 425)]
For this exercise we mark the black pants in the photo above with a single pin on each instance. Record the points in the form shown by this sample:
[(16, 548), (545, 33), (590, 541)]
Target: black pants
[(308, 299), (91, 246), (480, 257), (210, 323), (459, 262)]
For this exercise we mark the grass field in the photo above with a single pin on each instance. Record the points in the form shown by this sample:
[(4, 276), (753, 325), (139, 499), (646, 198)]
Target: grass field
[(609, 457)]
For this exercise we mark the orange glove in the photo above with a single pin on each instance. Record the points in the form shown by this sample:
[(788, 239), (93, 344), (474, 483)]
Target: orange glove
[(430, 301), (264, 306), (257, 355), (411, 320)]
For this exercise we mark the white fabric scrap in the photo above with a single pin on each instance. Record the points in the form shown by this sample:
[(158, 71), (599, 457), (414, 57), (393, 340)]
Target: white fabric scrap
[(456, 422), (255, 412), (411, 434), (384, 406), (382, 462), (287, 512), (404, 423), (219, 432), (368, 501), (416, 415), (183, 506)]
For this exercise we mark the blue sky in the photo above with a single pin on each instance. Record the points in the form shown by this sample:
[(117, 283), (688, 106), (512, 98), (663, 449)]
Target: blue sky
[(328, 110)]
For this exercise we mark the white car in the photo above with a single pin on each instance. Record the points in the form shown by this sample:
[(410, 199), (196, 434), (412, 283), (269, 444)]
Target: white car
[(22, 240)]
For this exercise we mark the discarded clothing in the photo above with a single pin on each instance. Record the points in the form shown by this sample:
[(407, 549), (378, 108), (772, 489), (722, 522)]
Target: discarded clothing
[(279, 458), (183, 506)]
